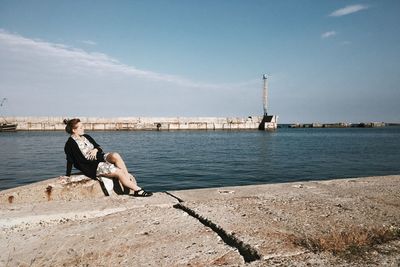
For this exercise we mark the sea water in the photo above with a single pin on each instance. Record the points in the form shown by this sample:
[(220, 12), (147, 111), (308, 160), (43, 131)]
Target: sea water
[(172, 160)]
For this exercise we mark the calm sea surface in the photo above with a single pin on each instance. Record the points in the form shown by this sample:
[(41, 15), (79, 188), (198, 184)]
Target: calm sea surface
[(195, 159)]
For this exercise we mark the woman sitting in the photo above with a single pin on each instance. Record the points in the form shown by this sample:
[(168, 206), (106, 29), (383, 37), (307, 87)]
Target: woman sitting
[(87, 156)]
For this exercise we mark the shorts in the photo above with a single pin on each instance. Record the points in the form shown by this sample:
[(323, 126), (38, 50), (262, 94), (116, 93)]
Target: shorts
[(105, 167)]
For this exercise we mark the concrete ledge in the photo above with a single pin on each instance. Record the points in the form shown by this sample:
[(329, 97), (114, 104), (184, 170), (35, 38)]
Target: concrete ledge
[(73, 188), (207, 227)]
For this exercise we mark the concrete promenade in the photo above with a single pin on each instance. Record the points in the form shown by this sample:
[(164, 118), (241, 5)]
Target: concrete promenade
[(69, 222), (139, 123)]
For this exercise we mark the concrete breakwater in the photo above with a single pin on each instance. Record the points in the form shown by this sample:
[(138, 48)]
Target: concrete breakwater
[(67, 221), (335, 125), (140, 123)]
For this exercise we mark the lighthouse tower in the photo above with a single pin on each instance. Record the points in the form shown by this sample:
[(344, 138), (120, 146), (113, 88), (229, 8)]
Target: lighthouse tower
[(265, 94), (269, 122)]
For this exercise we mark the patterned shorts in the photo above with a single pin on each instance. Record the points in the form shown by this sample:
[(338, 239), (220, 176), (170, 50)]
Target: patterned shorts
[(105, 167)]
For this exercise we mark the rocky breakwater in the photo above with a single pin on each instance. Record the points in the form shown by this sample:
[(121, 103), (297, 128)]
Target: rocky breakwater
[(347, 222)]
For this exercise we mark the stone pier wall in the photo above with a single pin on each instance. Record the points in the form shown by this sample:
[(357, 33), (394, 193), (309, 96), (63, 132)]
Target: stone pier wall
[(139, 123)]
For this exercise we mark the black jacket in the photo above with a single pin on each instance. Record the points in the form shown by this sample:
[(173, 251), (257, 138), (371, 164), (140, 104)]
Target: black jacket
[(76, 158)]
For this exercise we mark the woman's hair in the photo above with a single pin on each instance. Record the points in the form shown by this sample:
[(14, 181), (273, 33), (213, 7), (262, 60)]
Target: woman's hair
[(71, 124)]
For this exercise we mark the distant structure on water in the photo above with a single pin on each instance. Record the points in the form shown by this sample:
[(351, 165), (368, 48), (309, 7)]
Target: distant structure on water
[(5, 126), (269, 122), (265, 94)]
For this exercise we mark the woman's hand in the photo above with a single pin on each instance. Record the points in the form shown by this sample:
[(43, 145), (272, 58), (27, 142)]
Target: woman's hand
[(93, 154)]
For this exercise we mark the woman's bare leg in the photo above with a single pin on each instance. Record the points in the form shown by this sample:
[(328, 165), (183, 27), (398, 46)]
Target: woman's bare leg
[(117, 160), (126, 180)]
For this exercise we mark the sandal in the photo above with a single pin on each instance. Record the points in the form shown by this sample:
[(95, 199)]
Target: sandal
[(142, 193)]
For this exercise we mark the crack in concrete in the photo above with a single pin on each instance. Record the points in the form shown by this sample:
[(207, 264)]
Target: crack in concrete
[(248, 253), (177, 198)]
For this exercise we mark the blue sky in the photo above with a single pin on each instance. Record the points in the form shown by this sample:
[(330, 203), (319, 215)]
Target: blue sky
[(328, 61)]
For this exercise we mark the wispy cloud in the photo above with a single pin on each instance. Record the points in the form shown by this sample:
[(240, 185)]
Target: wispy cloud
[(348, 10), (88, 42), (95, 61), (36, 74), (328, 34), (101, 62)]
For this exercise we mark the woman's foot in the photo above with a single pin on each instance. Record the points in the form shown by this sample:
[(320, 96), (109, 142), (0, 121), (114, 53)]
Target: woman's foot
[(142, 193)]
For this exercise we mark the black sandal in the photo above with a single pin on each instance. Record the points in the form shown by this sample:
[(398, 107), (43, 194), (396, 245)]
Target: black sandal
[(142, 193)]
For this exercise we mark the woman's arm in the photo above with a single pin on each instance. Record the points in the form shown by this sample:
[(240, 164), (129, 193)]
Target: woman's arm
[(67, 150), (91, 140), (74, 154), (69, 168)]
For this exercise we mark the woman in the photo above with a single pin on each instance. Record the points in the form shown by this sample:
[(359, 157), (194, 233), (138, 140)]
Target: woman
[(87, 156)]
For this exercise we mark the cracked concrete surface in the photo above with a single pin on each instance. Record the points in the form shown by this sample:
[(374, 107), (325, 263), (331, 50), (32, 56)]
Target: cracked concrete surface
[(78, 226)]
